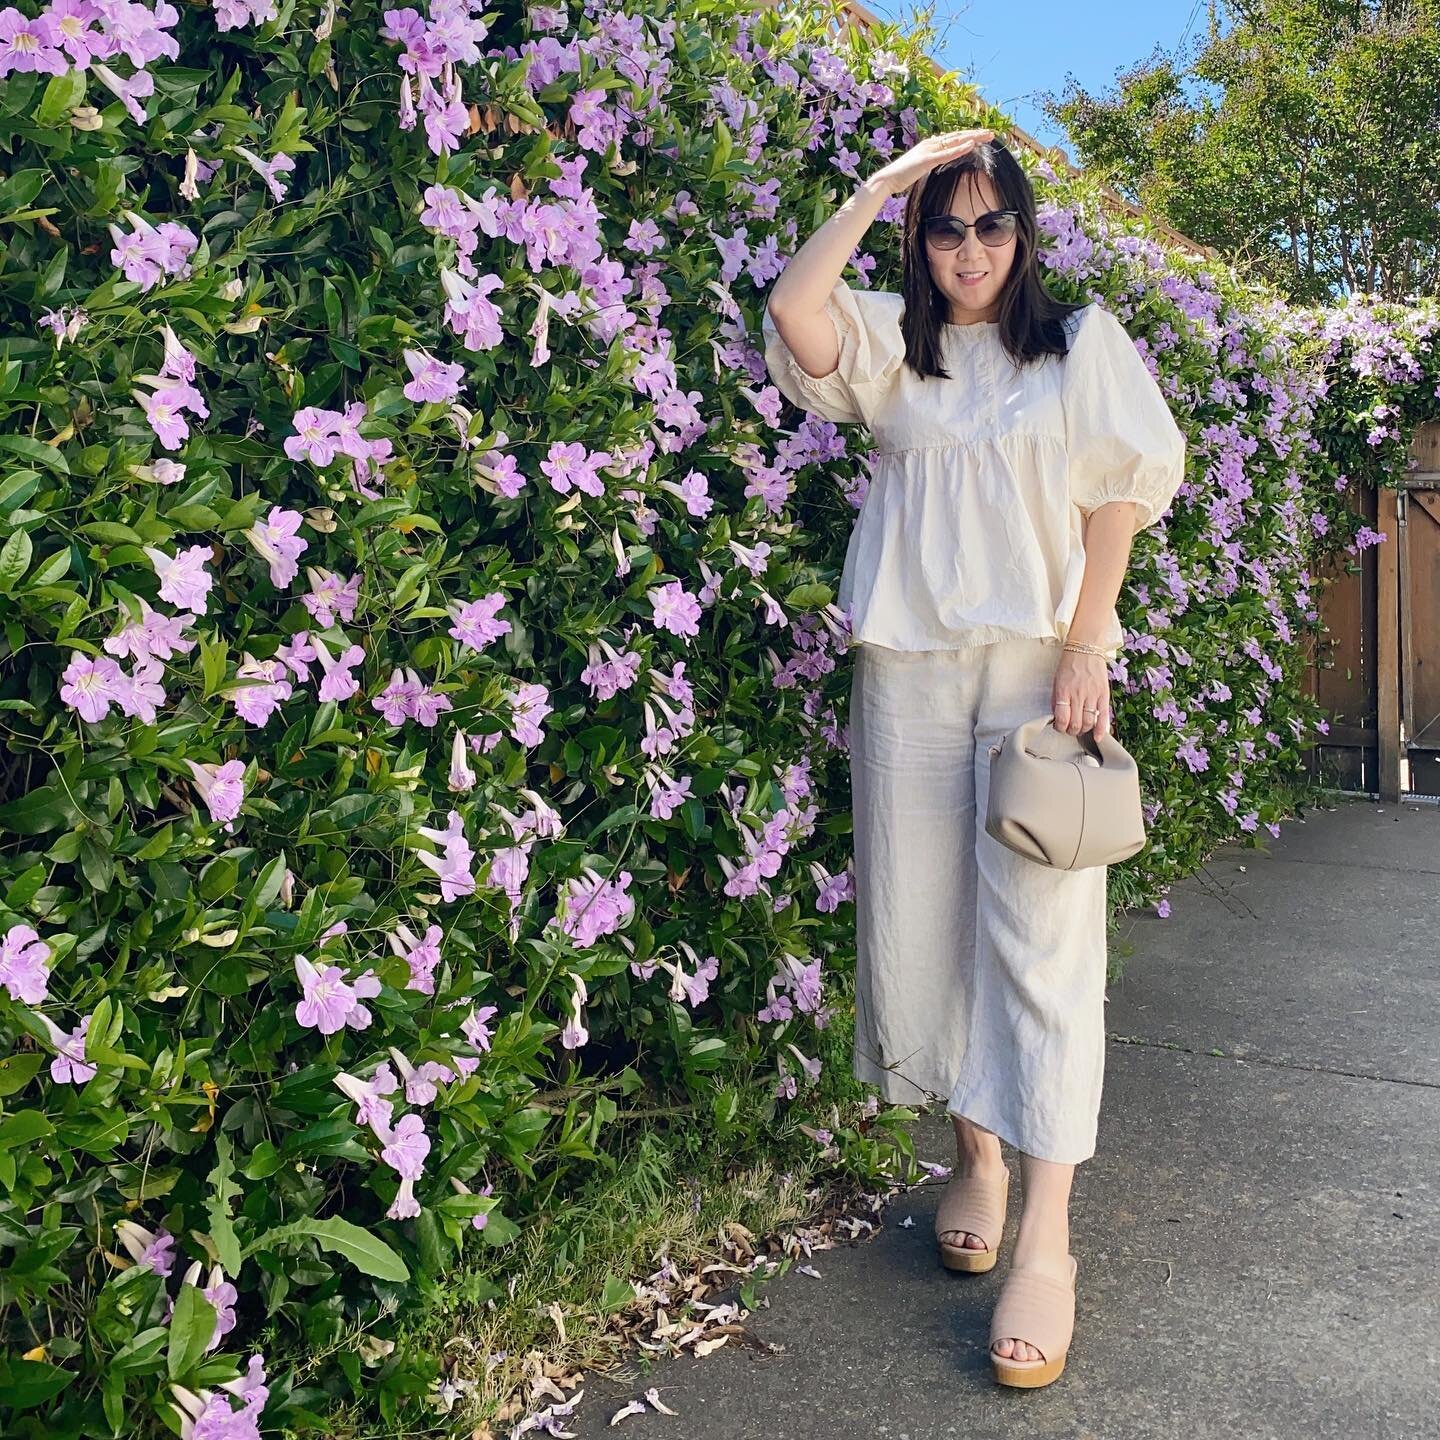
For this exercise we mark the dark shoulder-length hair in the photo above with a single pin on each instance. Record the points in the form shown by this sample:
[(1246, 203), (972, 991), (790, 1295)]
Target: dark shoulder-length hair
[(1030, 318)]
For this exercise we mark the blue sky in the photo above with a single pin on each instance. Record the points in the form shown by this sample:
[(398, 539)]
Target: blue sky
[(1013, 48)]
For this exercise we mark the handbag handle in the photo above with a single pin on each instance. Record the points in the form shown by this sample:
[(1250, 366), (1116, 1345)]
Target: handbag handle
[(1101, 749)]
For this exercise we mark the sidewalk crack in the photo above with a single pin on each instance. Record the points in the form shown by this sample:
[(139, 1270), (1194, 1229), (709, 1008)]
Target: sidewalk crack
[(1146, 1044)]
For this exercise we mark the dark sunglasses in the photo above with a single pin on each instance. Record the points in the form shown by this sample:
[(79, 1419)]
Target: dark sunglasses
[(947, 232)]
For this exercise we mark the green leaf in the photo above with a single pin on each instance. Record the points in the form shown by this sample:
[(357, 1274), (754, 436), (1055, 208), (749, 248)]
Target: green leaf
[(724, 145), (217, 879), (24, 1383), (242, 514), (367, 1253), (288, 127), (14, 560), (724, 1108), (810, 597), (22, 188), (345, 352), (51, 570), (23, 888), (349, 811), (107, 1021), (213, 655), (193, 517), (141, 1354), (267, 887), (223, 1190), (499, 1230), (44, 809), (375, 512), (96, 864), (408, 585), (61, 96), (17, 1071), (110, 532), (18, 489), (522, 1131), (33, 450), (158, 844), (707, 1053), (54, 274), (191, 1328), (24, 1127), (621, 815), (324, 719), (617, 1293), (264, 1161)]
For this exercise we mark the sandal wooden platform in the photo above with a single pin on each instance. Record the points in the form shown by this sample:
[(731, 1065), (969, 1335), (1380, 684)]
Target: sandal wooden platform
[(1040, 1310), (978, 1206)]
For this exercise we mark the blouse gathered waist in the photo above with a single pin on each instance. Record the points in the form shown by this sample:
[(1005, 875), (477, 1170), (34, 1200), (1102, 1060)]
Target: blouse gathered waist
[(969, 442), (972, 527)]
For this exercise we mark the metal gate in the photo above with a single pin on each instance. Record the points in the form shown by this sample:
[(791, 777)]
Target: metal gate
[(1377, 672)]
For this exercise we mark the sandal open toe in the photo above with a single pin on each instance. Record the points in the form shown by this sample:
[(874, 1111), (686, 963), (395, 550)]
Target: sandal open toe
[(1040, 1310), (977, 1205)]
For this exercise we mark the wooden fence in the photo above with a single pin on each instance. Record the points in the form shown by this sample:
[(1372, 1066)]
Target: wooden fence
[(1377, 671)]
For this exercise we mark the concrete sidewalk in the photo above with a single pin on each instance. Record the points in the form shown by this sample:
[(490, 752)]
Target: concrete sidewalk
[(1258, 1235)]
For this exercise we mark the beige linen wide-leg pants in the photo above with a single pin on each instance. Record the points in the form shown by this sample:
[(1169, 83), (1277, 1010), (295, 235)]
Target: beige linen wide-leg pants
[(980, 975)]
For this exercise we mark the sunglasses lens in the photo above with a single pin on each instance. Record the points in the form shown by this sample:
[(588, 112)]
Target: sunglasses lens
[(943, 233), (996, 229)]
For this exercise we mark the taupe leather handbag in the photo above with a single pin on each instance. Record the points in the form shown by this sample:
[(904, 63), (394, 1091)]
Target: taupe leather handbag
[(1068, 801)]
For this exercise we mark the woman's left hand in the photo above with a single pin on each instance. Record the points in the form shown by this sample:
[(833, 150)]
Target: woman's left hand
[(1081, 694)]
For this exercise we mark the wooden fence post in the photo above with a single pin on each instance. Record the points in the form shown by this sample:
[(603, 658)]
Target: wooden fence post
[(1387, 643)]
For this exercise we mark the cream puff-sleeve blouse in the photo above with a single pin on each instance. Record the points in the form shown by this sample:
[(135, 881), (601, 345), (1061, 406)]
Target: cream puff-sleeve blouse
[(972, 525)]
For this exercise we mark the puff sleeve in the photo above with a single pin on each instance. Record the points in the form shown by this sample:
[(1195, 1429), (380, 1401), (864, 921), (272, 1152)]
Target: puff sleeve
[(872, 347), (1122, 441)]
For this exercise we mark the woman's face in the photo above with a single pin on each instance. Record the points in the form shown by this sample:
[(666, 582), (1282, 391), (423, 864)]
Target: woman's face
[(977, 300)]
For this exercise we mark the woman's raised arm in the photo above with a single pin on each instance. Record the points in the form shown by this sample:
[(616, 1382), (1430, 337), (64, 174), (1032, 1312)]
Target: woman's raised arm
[(796, 303)]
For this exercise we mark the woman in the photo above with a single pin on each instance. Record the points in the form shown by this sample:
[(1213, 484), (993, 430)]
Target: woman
[(1021, 444)]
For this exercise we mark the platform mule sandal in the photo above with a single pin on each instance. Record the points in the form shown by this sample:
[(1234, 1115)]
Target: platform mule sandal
[(1040, 1310), (975, 1204)]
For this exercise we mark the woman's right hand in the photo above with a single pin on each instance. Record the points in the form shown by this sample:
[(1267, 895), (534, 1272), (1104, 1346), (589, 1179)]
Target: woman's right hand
[(921, 159)]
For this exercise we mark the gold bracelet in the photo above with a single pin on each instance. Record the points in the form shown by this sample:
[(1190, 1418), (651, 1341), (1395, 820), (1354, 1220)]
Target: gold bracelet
[(1085, 648)]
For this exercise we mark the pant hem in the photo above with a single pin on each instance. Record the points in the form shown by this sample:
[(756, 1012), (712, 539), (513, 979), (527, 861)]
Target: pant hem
[(1013, 1135)]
